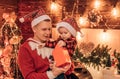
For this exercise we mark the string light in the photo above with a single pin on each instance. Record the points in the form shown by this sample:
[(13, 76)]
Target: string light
[(53, 6), (114, 12), (83, 22), (97, 4)]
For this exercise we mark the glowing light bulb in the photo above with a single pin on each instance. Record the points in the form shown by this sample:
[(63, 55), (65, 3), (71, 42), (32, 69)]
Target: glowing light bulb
[(79, 35), (53, 6), (115, 12), (83, 21), (97, 4)]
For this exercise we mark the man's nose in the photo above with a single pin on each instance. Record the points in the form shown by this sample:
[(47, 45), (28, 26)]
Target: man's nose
[(48, 31)]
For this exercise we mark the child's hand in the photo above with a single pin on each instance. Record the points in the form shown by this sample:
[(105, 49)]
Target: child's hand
[(61, 43)]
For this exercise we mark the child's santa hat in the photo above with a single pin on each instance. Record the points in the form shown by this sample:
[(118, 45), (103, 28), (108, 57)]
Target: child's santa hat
[(70, 24), (36, 17)]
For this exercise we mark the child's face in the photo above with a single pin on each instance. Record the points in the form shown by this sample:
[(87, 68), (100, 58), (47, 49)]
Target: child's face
[(64, 33)]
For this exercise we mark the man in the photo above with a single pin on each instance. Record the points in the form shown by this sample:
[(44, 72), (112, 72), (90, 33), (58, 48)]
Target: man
[(33, 57)]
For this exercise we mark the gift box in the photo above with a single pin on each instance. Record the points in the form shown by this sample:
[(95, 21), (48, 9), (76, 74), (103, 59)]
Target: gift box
[(61, 56)]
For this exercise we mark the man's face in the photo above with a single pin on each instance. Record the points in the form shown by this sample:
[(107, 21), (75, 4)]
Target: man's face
[(64, 33), (42, 31)]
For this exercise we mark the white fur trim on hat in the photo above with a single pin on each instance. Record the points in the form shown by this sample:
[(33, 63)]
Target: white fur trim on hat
[(39, 19), (68, 27)]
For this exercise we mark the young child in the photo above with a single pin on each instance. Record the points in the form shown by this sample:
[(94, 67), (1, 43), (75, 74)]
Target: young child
[(67, 30)]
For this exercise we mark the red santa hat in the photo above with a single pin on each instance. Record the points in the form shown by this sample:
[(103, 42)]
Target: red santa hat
[(70, 24), (36, 16)]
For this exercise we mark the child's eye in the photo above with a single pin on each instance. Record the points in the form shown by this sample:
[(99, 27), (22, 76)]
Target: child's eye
[(60, 33), (44, 29), (65, 32)]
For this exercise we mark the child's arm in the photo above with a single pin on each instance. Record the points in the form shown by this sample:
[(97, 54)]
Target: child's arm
[(61, 43), (71, 45)]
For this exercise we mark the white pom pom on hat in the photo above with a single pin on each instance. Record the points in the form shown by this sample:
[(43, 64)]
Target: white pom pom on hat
[(70, 24), (36, 16), (21, 19)]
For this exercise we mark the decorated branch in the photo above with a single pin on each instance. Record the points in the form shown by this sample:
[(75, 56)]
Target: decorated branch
[(117, 60), (88, 55)]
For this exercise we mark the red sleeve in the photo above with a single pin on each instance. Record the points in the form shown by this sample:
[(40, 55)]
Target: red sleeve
[(71, 45), (26, 65)]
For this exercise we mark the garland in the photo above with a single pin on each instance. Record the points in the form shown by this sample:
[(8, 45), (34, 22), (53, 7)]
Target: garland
[(98, 56)]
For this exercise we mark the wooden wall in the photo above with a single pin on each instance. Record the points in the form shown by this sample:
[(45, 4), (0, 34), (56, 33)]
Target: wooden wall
[(111, 37)]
